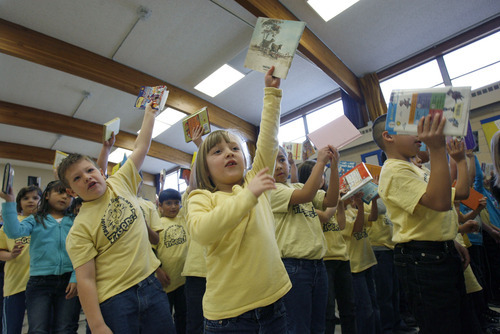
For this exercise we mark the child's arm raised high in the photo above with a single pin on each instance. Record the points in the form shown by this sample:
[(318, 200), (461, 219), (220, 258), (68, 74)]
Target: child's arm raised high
[(456, 150), (143, 141)]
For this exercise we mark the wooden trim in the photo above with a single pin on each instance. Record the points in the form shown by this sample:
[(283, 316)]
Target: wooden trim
[(451, 44), (310, 45), (24, 43), (32, 118)]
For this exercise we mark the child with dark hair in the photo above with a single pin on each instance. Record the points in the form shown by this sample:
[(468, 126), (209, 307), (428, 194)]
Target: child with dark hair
[(51, 287)]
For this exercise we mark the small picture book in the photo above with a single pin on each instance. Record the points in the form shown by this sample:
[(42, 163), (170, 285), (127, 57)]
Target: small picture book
[(58, 158), (407, 106), (148, 94), (470, 140), (472, 201), (296, 149), (199, 118), (358, 179), (274, 43), (109, 127), (344, 166), (337, 133)]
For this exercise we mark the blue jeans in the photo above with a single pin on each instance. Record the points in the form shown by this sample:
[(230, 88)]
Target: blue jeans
[(270, 319), (177, 300), (306, 302), (432, 277), (365, 297), (14, 307), (143, 308), (340, 289), (47, 306), (194, 289)]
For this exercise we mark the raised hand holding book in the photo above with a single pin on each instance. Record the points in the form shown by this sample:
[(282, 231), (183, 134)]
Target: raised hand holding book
[(158, 95), (199, 118), (337, 133), (110, 127)]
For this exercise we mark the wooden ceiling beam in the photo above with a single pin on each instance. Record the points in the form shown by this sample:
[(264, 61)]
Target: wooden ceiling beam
[(310, 45), (24, 43), (37, 119)]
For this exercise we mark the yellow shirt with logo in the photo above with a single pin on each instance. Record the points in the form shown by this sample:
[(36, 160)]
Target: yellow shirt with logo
[(17, 271), (298, 230), (358, 245), (401, 186), (112, 231), (244, 267), (172, 250), (336, 247), (150, 214), (380, 230)]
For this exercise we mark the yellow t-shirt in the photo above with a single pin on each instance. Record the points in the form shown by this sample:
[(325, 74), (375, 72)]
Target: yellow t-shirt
[(358, 244), (17, 271), (195, 264), (112, 231), (335, 243), (150, 214), (471, 283), (244, 267), (401, 186), (172, 250), (298, 230), (380, 230)]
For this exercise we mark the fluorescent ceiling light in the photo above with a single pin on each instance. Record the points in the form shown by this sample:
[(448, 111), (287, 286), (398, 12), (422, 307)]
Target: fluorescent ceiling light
[(328, 9), (117, 155), (165, 120), (220, 80)]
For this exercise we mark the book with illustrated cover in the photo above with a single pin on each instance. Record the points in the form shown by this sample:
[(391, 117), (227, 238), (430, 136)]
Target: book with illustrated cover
[(344, 166), (337, 133), (58, 158), (274, 43), (358, 179), (308, 148), (407, 106), (185, 174), (148, 94), (199, 118), (296, 149), (110, 127)]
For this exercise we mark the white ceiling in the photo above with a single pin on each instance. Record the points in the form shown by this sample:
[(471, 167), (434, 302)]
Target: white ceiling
[(185, 40)]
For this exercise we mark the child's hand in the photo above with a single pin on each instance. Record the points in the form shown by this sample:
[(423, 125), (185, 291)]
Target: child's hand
[(71, 291), (335, 155), (163, 277), (482, 203), (469, 154), (456, 150), (469, 226), (430, 131), (152, 107), (289, 155), (464, 254), (325, 155), (16, 250), (196, 135), (271, 81), (110, 142), (9, 197), (261, 182)]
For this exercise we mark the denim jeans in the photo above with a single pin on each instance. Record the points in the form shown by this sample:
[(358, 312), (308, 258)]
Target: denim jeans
[(14, 307), (270, 319), (47, 306), (306, 302), (365, 297), (194, 290), (177, 300), (340, 289), (143, 308), (387, 285), (431, 275)]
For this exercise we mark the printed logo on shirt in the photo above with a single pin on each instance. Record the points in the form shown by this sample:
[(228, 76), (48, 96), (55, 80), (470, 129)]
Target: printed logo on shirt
[(23, 240), (360, 235), (387, 221), (299, 208), (330, 226), (118, 217), (174, 235)]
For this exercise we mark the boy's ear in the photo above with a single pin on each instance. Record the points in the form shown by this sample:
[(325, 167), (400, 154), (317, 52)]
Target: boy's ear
[(70, 192), (387, 137), (102, 173)]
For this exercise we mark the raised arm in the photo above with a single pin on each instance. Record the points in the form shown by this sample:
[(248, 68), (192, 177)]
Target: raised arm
[(332, 194), (294, 178), (438, 192), (11, 226), (143, 141), (456, 150), (359, 223), (102, 161)]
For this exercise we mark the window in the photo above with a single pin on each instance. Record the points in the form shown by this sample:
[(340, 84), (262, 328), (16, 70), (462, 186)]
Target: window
[(318, 118), (292, 132), (173, 181)]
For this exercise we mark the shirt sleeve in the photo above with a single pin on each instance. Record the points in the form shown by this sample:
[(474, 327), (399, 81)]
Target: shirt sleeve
[(80, 247), (280, 198)]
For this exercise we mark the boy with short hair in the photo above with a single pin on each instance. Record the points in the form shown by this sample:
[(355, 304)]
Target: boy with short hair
[(109, 247), (425, 223)]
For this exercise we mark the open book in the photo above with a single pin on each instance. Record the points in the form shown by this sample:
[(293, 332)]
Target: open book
[(274, 43), (110, 127), (408, 106), (338, 133), (148, 94), (356, 180), (199, 118)]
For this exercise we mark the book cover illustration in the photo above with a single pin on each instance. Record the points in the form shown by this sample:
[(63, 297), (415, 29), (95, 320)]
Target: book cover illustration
[(407, 106), (355, 180), (344, 166), (199, 118), (148, 94), (308, 150), (58, 158), (297, 150), (337, 133), (274, 43), (110, 127)]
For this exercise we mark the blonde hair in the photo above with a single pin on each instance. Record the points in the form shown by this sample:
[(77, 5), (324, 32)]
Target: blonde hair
[(495, 156), (202, 177)]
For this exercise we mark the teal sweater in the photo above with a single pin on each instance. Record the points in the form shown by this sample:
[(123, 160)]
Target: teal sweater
[(48, 254)]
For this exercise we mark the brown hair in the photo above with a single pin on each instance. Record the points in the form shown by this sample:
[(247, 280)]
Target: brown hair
[(69, 161)]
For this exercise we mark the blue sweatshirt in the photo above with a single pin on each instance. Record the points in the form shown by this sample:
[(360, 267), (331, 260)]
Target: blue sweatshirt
[(48, 254)]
